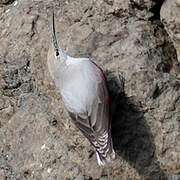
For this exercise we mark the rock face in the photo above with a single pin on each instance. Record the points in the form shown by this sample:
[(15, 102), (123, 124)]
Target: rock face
[(170, 16), (5, 2), (37, 138)]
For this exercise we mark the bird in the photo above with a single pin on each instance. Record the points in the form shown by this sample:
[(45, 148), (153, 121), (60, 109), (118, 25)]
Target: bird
[(83, 88)]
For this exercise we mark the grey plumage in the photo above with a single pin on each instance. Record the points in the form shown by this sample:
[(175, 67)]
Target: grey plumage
[(83, 89)]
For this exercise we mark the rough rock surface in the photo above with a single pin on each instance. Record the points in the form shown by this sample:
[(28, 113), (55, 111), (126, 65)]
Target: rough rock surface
[(37, 138), (170, 16), (5, 2)]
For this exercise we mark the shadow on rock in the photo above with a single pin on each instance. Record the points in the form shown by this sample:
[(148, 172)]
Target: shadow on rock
[(132, 137)]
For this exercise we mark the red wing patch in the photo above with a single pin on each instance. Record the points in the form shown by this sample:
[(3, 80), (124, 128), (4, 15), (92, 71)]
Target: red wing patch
[(102, 72), (107, 98)]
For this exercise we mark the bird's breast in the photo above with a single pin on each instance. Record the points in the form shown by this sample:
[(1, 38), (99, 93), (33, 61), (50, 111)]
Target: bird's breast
[(78, 87)]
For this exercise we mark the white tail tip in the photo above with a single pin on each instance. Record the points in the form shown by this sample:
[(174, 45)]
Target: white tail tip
[(107, 159)]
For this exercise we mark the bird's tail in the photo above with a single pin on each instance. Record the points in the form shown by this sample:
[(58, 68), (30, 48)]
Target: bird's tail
[(105, 152)]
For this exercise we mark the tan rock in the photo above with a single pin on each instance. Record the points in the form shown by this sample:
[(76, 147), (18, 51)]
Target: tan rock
[(178, 2), (37, 138), (170, 16)]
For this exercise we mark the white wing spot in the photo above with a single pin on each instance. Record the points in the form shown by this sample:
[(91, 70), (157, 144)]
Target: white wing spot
[(101, 163), (43, 146)]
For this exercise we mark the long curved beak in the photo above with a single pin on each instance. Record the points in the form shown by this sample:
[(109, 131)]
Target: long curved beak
[(53, 36)]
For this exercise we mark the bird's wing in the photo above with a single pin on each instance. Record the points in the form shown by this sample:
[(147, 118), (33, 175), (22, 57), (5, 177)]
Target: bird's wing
[(86, 97), (94, 123)]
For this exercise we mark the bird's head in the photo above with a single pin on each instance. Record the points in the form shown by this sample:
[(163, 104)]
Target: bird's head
[(58, 53), (56, 57)]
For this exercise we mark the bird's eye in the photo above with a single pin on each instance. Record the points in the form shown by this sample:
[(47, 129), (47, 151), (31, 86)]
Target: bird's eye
[(57, 53)]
